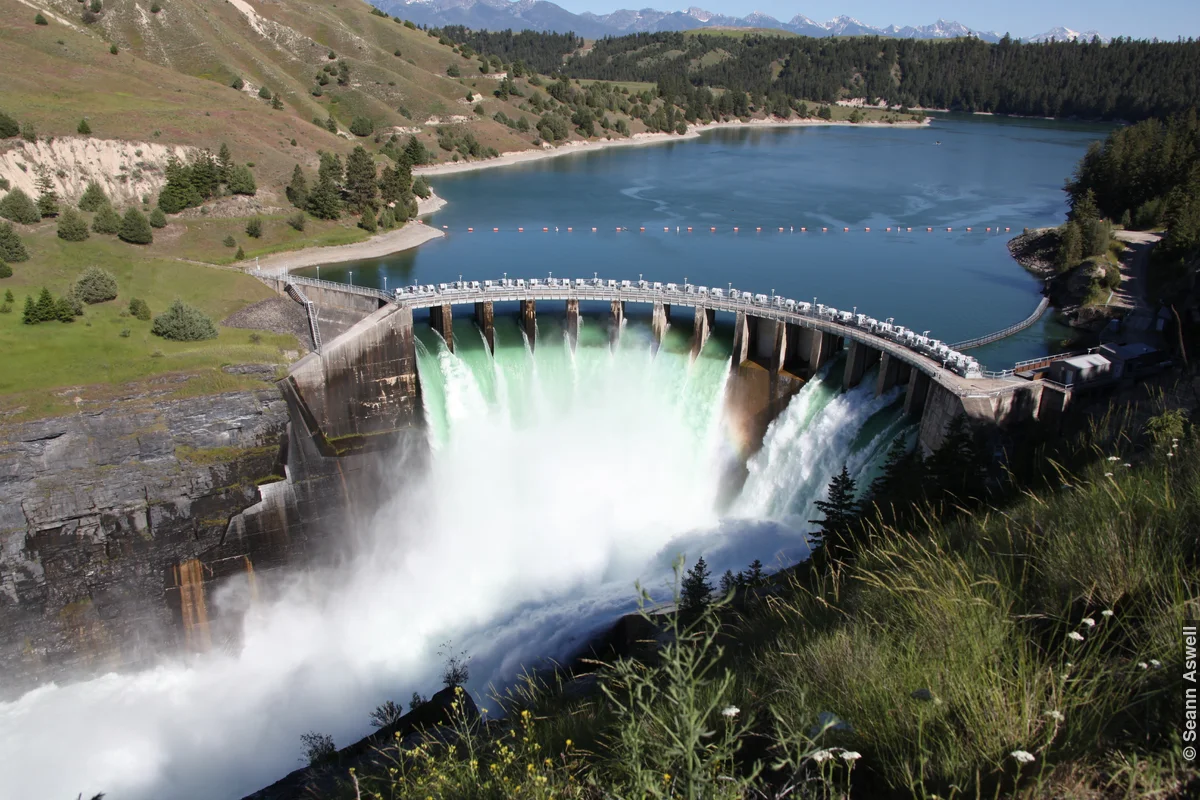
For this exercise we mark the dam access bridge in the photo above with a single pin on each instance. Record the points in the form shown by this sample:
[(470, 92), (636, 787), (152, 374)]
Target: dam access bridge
[(367, 376)]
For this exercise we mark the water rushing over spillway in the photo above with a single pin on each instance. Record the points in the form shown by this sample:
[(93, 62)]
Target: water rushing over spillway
[(557, 480)]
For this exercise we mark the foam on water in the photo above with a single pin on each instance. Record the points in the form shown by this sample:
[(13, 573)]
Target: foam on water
[(557, 480)]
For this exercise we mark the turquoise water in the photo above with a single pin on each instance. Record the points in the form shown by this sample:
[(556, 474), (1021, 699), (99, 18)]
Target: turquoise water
[(985, 173)]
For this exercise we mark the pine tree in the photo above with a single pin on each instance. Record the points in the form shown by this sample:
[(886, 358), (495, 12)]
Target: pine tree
[(241, 180), (106, 220), (205, 175), (330, 125), (84, 129), (900, 483), (179, 192), (367, 223), (47, 201), (224, 163), (239, 255), (695, 590), (841, 515), (12, 249), (30, 316), (331, 169), (254, 228), (957, 466), (361, 188), (157, 218), (135, 228), (17, 206), (755, 576), (297, 190), (324, 202), (729, 582), (394, 183), (93, 198), (71, 226), (415, 152), (387, 219), (64, 310), (44, 307)]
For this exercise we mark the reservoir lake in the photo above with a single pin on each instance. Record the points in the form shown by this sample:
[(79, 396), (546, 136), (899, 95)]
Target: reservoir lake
[(961, 171)]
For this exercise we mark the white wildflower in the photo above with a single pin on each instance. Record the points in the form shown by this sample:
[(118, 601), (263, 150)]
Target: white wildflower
[(851, 756), (730, 712), (1114, 458), (1055, 715), (1076, 635), (1091, 623), (1143, 665), (1108, 474), (1127, 465), (1170, 455), (822, 755), (1154, 662), (1108, 612), (1023, 756)]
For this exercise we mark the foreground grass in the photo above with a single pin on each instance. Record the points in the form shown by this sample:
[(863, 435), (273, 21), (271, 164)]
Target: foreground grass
[(1027, 651), (48, 365)]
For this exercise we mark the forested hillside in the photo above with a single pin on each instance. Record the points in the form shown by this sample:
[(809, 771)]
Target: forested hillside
[(1126, 79)]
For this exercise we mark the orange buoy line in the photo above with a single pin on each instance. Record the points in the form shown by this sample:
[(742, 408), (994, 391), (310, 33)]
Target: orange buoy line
[(758, 229)]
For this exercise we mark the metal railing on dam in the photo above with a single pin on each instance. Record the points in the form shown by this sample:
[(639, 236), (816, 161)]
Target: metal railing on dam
[(996, 336), (954, 371)]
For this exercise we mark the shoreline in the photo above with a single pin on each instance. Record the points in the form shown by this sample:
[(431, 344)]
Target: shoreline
[(640, 139), (416, 233)]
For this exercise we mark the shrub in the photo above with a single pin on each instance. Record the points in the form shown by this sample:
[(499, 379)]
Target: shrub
[(157, 218), (297, 220), (254, 228), (83, 128), (453, 71), (362, 126), (28, 132), (8, 126), (241, 180), (139, 309), (421, 187), (71, 226), (183, 323), (387, 219), (264, 93), (155, 8), (135, 228), (239, 255), (6, 272), (93, 198), (367, 223), (238, 84), (318, 747), (88, 17), (386, 713), (18, 207), (12, 249), (107, 220), (40, 20), (95, 285), (113, 49)]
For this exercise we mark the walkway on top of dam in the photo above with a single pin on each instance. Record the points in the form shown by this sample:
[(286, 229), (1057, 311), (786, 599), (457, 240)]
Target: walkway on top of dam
[(886, 337)]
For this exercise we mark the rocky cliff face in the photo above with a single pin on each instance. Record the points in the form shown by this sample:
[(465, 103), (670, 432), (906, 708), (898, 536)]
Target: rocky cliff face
[(113, 521)]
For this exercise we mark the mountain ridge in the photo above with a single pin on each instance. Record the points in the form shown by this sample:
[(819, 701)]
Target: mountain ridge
[(542, 15)]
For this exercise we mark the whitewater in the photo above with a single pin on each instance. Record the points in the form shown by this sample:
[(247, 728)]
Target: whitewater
[(557, 479)]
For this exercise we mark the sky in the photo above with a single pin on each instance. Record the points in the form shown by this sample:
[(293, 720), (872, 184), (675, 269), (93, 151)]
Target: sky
[(1165, 19)]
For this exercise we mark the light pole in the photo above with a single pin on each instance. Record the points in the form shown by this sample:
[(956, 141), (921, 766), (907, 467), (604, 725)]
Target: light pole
[(318, 272), (385, 284), (351, 277)]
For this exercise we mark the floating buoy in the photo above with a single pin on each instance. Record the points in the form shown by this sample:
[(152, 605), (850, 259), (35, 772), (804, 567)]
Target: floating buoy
[(618, 229), (889, 230), (544, 230), (735, 230), (949, 229), (758, 230), (593, 230), (445, 227), (910, 230), (824, 230), (643, 230), (689, 229), (666, 230), (781, 230), (845, 230), (868, 230), (1006, 230), (988, 230), (713, 229), (804, 230), (495, 230), (520, 230), (470, 230), (968, 230), (570, 229)]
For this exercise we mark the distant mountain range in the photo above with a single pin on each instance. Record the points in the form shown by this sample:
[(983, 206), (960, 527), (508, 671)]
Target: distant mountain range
[(540, 15)]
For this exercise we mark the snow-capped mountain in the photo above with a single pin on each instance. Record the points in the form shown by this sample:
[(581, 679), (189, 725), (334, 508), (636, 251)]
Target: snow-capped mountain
[(1061, 34), (540, 15)]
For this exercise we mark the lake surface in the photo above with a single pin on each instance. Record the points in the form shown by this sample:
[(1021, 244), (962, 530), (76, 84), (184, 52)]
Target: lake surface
[(986, 172)]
